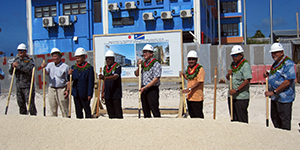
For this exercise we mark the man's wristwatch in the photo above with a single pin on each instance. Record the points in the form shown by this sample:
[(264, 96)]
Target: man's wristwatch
[(237, 90), (274, 91)]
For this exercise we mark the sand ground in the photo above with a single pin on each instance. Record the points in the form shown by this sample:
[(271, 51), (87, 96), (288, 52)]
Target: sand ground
[(168, 132)]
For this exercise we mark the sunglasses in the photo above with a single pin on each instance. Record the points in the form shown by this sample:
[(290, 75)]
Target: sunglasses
[(235, 55), (109, 58), (22, 50), (192, 59)]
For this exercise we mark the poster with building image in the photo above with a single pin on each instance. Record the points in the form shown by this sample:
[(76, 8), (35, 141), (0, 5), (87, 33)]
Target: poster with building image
[(128, 47), (161, 52)]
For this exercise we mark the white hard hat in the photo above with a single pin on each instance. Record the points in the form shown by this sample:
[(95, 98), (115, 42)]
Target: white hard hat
[(55, 50), (192, 54), (80, 51), (236, 49), (22, 46), (148, 47), (109, 53), (276, 47)]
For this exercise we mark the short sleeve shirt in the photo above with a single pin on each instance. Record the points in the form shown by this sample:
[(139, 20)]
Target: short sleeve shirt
[(287, 72), (238, 78), (197, 93), (113, 88), (153, 72), (58, 74)]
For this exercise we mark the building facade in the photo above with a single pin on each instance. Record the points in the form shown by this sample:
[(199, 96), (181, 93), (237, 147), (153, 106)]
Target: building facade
[(69, 24)]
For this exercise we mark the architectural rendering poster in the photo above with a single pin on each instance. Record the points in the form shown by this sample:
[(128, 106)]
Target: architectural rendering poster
[(167, 47)]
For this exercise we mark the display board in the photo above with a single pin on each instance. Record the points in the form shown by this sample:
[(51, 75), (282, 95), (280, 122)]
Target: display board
[(128, 50)]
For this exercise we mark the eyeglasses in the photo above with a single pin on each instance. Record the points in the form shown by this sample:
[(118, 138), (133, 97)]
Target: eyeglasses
[(235, 55), (22, 50), (191, 59)]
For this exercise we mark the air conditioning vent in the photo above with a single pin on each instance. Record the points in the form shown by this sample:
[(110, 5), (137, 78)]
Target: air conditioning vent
[(48, 22), (166, 15), (113, 6), (185, 13), (148, 16), (130, 5), (64, 20)]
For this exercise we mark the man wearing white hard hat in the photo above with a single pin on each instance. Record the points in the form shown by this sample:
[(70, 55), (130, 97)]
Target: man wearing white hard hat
[(24, 65), (58, 90), (151, 73), (112, 87), (83, 83), (281, 87), (195, 75), (241, 72)]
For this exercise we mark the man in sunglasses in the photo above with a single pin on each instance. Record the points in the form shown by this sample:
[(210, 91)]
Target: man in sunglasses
[(195, 75), (112, 87), (24, 65), (241, 73), (281, 87), (151, 73)]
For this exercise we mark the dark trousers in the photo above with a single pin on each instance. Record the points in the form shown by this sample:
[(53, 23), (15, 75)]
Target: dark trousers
[(195, 109), (240, 112), (22, 99), (150, 101), (82, 103), (114, 108), (281, 114)]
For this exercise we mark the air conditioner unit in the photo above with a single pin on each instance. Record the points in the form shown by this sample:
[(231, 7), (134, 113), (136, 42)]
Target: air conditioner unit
[(130, 5), (185, 13), (113, 6), (48, 22), (166, 15), (64, 20), (148, 16)]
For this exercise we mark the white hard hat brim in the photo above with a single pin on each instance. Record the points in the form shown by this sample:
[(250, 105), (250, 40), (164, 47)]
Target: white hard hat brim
[(148, 50), (276, 50), (236, 53)]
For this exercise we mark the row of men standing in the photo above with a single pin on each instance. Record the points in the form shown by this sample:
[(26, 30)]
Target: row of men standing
[(281, 84)]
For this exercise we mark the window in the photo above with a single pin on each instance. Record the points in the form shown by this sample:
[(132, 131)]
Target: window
[(97, 11), (228, 7), (45, 11), (229, 30), (123, 21), (74, 8)]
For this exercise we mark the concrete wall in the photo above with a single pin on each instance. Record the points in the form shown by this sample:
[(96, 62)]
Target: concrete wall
[(6, 62), (211, 56)]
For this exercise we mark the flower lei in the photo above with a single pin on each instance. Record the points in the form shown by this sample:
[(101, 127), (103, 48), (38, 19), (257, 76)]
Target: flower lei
[(148, 67), (239, 66), (109, 72), (82, 68), (282, 63), (193, 73)]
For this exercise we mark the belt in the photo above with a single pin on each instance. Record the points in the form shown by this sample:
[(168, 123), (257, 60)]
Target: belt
[(58, 87)]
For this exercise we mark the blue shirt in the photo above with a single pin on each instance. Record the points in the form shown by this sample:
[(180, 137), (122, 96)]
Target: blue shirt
[(2, 73), (287, 72), (58, 74)]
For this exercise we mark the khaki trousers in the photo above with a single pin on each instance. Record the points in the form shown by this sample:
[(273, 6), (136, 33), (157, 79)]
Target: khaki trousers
[(56, 99)]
